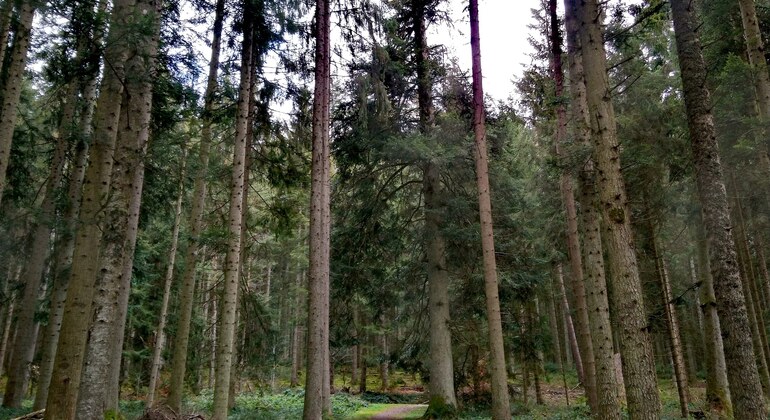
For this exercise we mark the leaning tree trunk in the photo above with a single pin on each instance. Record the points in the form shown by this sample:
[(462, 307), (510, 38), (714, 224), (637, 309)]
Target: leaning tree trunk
[(745, 388), (316, 381), (498, 375), (717, 387), (100, 378), (13, 84), (755, 50), (65, 382), (160, 333), (187, 288), (559, 277), (226, 332), (441, 386), (672, 323), (570, 211), (635, 342)]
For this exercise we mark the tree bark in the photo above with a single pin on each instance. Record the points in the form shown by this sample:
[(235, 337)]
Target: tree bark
[(226, 331), (441, 370), (160, 334), (593, 256), (187, 289), (13, 84), (65, 381), (717, 387), (568, 201), (672, 322), (558, 274), (316, 381), (32, 273), (745, 388), (498, 375), (635, 342), (99, 389)]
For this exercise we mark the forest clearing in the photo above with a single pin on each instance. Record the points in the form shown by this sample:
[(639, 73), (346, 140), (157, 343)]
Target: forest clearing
[(285, 209)]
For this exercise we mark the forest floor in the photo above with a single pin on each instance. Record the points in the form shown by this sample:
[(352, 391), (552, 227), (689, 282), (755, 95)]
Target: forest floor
[(406, 401)]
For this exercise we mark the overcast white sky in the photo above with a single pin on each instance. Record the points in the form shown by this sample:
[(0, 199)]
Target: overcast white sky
[(504, 46)]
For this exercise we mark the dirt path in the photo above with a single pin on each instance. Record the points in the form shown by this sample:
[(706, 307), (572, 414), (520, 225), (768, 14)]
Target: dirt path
[(401, 411)]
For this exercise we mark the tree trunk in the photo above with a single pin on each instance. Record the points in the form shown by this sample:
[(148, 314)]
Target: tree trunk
[(635, 342), (316, 381), (745, 388), (79, 132), (13, 84), (570, 210), (441, 371), (498, 375), (187, 289), (557, 342), (717, 387), (65, 381), (593, 257), (160, 334), (568, 318), (6, 17), (24, 344), (672, 322), (100, 382), (226, 332)]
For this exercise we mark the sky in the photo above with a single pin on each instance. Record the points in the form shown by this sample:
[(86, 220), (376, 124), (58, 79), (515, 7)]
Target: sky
[(504, 46)]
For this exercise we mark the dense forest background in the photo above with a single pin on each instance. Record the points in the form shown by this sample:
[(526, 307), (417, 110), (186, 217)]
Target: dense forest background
[(284, 209)]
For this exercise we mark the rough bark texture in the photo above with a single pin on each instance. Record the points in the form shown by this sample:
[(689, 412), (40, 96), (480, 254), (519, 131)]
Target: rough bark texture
[(227, 317), (13, 84), (442, 393), (593, 257), (635, 341), (570, 210), (745, 388), (77, 316), (498, 375), (316, 381), (99, 388), (187, 287)]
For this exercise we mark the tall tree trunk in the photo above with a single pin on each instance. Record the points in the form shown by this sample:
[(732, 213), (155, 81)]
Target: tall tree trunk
[(498, 375), (65, 381), (745, 388), (755, 49), (559, 276), (99, 389), (187, 289), (226, 332), (558, 353), (672, 322), (628, 302), (316, 381), (24, 344), (79, 133), (6, 17), (160, 334), (13, 84), (593, 256), (570, 210), (717, 387), (441, 370)]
